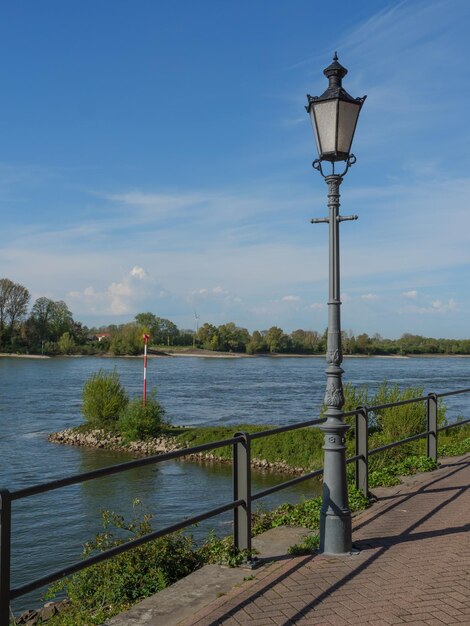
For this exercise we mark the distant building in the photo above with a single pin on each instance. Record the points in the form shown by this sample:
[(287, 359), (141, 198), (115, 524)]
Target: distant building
[(102, 336)]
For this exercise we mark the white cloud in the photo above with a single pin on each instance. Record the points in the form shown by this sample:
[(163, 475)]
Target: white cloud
[(444, 307), (317, 306), (138, 272), (119, 298), (215, 294), (411, 295), (435, 307), (370, 296), (291, 299), (121, 289)]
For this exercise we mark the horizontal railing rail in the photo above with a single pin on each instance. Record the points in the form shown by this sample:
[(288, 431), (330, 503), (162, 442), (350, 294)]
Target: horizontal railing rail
[(121, 467), (242, 496)]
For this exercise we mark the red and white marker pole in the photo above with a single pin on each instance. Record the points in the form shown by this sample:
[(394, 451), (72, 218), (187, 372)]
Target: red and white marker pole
[(146, 340)]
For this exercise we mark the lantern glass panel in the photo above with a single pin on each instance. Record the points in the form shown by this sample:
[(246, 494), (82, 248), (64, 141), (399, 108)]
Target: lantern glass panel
[(348, 114), (325, 118), (315, 133)]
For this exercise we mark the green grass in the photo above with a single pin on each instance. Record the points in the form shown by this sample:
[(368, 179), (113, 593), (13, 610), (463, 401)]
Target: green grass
[(303, 448), (298, 448)]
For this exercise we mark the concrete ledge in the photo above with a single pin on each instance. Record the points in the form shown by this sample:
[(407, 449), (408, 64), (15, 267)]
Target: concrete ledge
[(189, 595)]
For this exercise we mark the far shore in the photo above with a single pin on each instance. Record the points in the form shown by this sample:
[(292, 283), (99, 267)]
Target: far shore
[(208, 354), (24, 356)]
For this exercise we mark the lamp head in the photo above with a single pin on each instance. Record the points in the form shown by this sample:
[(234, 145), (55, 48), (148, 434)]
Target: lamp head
[(334, 116)]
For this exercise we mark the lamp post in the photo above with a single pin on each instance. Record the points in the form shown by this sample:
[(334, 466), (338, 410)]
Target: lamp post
[(334, 116)]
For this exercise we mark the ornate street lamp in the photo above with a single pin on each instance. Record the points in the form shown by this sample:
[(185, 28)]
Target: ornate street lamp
[(334, 116)]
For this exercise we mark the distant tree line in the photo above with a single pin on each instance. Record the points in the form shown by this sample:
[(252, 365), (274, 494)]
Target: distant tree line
[(48, 327), (231, 338)]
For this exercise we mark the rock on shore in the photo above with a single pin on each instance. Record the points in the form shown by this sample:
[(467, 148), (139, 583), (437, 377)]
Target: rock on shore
[(156, 445), (39, 616), (101, 439)]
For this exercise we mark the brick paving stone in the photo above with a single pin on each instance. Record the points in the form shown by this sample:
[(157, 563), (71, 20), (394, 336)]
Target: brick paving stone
[(280, 621), (413, 567), (444, 617)]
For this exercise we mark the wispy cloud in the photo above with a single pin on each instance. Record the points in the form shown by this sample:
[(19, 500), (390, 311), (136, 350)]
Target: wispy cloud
[(437, 307), (203, 295), (291, 298)]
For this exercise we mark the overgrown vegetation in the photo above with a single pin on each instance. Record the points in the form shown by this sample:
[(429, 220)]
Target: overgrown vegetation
[(104, 399), (389, 475), (114, 585), (140, 421), (298, 448), (105, 589), (106, 406)]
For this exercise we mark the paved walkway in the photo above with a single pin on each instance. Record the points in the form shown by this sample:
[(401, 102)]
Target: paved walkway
[(413, 566)]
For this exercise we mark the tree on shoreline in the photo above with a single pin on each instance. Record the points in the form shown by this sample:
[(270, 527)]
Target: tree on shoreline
[(14, 300), (51, 329)]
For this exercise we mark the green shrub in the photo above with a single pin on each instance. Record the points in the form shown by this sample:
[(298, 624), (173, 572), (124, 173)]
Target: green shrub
[(112, 586), (389, 475), (127, 340), (140, 421), (222, 550), (66, 344), (401, 421), (454, 448), (51, 348), (104, 398)]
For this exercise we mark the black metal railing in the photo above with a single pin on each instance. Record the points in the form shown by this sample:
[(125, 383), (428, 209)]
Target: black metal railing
[(242, 498)]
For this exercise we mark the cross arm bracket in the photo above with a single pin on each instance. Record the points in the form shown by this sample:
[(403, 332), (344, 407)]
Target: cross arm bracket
[(340, 218), (347, 218)]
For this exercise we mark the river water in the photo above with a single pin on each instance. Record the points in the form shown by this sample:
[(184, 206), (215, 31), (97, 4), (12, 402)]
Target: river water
[(39, 396)]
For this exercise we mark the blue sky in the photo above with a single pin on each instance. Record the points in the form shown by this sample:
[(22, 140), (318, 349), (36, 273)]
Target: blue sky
[(157, 156)]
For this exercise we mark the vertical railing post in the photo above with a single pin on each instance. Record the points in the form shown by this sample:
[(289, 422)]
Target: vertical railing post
[(5, 548), (362, 449), (431, 415), (242, 491)]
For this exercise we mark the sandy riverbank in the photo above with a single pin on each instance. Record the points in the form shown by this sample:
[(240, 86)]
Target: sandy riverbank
[(24, 356), (209, 354)]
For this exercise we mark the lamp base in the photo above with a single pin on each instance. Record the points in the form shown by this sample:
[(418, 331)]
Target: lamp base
[(335, 534)]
